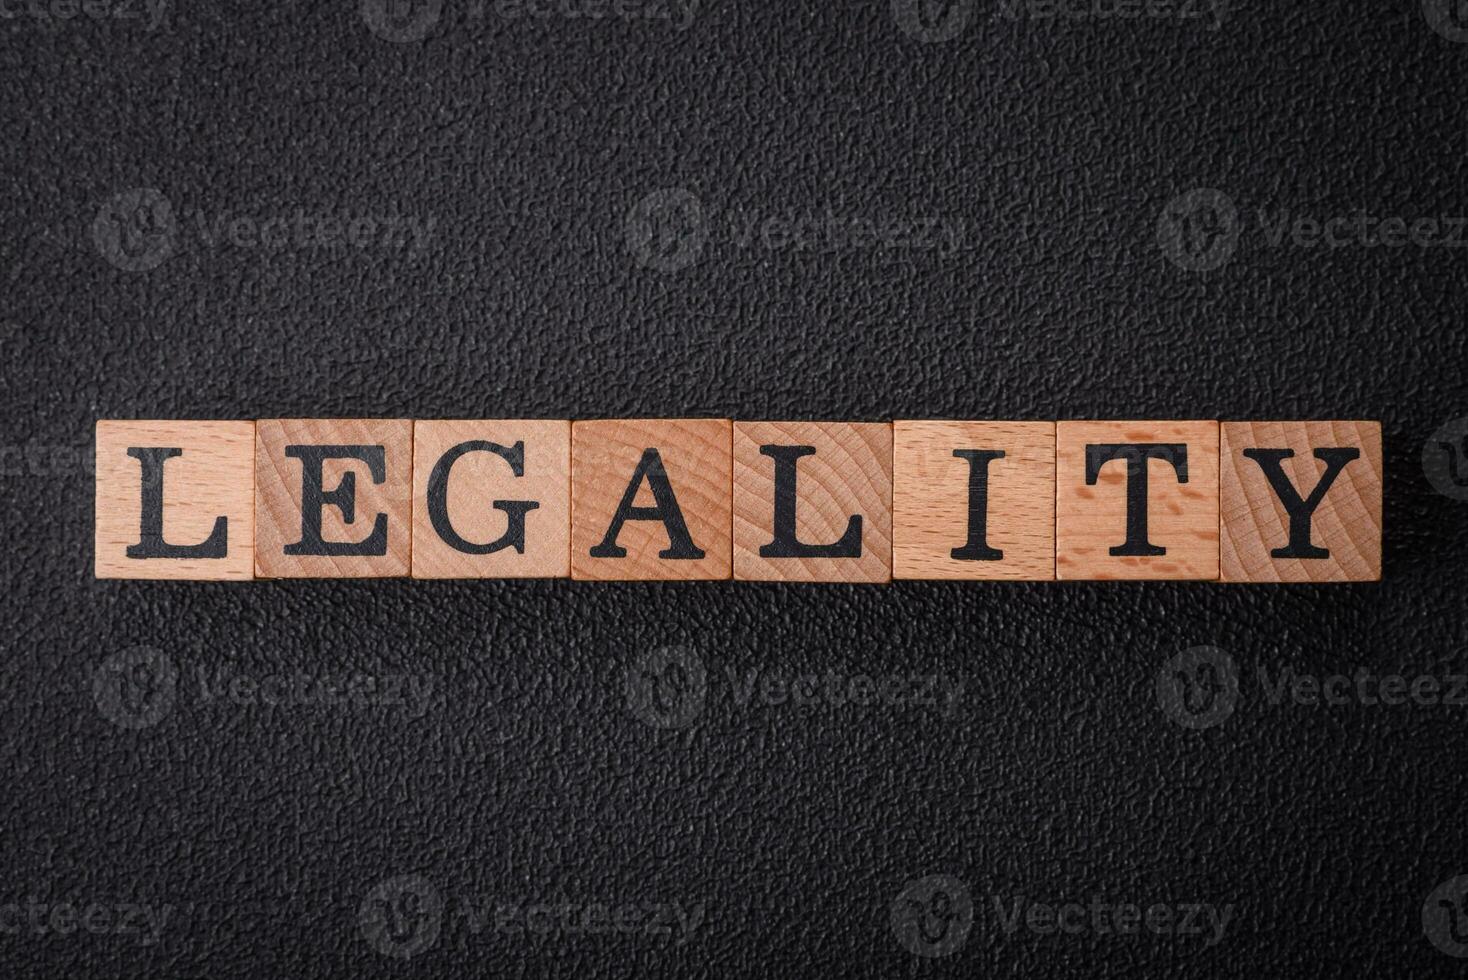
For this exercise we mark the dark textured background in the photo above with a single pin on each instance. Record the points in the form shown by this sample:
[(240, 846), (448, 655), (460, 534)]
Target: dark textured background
[(1057, 143)]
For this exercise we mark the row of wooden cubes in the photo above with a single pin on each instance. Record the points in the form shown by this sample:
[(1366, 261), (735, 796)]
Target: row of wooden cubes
[(713, 499)]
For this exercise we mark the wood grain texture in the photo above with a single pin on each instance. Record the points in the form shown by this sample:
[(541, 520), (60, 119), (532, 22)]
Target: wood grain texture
[(695, 455), (1347, 521), (477, 480), (930, 499), (1182, 517), (213, 477), (849, 474), (278, 488)]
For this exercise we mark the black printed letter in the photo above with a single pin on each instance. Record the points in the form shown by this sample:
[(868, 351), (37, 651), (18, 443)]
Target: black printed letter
[(438, 499), (977, 548), (344, 498), (680, 544), (1300, 511), (1136, 455), (785, 543), (150, 534)]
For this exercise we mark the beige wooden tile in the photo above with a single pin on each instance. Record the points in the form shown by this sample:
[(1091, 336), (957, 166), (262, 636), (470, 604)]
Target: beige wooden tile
[(1118, 519), (197, 512), (365, 473), (1336, 500), (973, 500), (670, 482), (491, 499), (827, 517)]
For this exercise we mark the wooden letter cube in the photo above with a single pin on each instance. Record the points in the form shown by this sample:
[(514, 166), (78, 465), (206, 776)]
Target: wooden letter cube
[(333, 498), (813, 501), (973, 500), (1136, 500), (491, 499), (1301, 501), (175, 500), (650, 499)]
